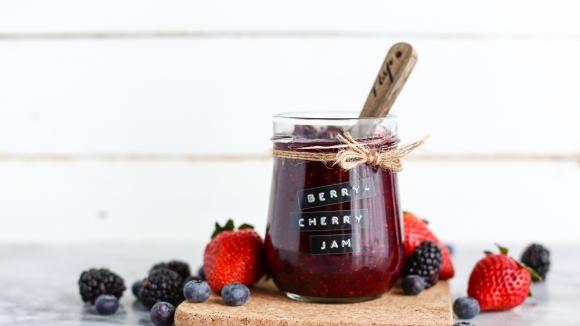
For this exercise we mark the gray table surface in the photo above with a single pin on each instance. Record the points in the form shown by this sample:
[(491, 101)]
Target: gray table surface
[(38, 284)]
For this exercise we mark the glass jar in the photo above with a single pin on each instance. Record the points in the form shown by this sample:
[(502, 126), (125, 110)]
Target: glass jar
[(333, 235)]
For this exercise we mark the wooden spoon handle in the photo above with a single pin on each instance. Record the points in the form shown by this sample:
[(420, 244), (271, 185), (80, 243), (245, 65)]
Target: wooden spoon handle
[(393, 74)]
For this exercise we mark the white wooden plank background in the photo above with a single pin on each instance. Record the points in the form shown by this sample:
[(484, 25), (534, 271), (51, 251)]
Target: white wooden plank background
[(447, 18), (133, 120), (178, 96), (177, 202)]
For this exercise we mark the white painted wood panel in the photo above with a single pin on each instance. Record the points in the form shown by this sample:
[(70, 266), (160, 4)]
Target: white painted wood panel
[(454, 18), (217, 96), (178, 202)]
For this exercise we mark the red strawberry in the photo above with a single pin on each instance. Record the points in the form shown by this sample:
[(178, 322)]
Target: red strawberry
[(233, 256), (416, 231), (498, 282)]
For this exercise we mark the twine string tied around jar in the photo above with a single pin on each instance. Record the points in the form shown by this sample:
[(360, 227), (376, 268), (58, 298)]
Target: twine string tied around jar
[(356, 154)]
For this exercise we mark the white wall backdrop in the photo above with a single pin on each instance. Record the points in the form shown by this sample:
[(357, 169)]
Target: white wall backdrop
[(141, 121)]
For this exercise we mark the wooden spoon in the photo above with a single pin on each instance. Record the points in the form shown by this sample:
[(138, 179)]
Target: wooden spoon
[(394, 72)]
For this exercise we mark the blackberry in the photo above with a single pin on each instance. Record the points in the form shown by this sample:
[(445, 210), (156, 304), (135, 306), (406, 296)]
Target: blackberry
[(95, 282), (425, 262), (162, 284), (537, 257), (180, 267)]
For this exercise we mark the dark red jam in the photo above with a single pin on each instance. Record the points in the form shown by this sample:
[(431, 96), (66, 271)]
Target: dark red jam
[(332, 233)]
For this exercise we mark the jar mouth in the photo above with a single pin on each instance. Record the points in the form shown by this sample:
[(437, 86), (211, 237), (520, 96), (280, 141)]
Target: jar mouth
[(343, 116), (325, 126)]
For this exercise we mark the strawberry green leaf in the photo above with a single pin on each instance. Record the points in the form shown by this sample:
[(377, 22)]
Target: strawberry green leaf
[(245, 226), (229, 226), (535, 276)]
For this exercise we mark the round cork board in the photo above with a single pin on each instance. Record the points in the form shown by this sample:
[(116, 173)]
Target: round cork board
[(268, 306)]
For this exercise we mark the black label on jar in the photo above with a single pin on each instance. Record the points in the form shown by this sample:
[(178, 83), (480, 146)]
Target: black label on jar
[(331, 244), (330, 220), (336, 193)]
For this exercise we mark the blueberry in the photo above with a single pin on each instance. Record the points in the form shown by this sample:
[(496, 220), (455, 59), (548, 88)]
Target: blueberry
[(235, 294), (106, 304), (413, 284), (463, 323), (196, 291), (201, 273), (466, 307), (135, 288), (191, 278), (162, 313)]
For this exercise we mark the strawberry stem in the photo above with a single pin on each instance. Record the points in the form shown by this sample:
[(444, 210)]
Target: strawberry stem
[(503, 250)]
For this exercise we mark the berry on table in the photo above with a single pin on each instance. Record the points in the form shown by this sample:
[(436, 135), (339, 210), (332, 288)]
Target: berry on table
[(191, 278), (235, 294), (498, 282), (95, 282), (162, 284), (466, 307), (537, 257), (201, 273), (106, 304), (417, 231), (425, 262), (413, 284), (162, 314), (135, 288), (196, 291), (233, 256), (180, 267)]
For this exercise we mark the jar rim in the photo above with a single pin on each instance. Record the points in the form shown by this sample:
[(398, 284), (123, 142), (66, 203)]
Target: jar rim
[(329, 116)]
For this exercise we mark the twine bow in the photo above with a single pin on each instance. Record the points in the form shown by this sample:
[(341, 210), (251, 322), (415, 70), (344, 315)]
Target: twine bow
[(356, 154)]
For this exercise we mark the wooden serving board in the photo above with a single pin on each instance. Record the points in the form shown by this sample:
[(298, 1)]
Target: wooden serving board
[(268, 306)]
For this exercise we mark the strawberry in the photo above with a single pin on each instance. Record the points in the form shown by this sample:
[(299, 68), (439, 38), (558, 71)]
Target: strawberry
[(416, 231), (499, 282), (233, 256)]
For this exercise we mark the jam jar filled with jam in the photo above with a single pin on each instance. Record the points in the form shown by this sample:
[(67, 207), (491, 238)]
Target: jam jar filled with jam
[(334, 234)]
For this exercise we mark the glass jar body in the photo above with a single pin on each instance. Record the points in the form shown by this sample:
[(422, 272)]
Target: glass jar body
[(333, 234)]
